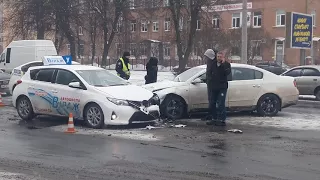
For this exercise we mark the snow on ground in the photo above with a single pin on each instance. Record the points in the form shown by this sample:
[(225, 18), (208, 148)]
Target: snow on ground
[(137, 77), (307, 97), (292, 121), (132, 134), (16, 176)]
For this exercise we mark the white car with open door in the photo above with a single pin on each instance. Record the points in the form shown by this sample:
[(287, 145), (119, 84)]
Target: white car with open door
[(250, 88), (89, 93)]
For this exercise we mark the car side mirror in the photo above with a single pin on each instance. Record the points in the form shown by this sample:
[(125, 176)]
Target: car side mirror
[(75, 85), (197, 81)]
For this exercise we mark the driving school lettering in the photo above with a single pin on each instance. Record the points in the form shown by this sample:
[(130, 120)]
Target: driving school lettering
[(66, 103)]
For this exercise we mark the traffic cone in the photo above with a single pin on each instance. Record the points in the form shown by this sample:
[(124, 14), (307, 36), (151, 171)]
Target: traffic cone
[(1, 103), (70, 129)]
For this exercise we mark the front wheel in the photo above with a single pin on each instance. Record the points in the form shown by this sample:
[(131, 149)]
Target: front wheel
[(93, 116), (24, 108), (173, 107), (268, 105)]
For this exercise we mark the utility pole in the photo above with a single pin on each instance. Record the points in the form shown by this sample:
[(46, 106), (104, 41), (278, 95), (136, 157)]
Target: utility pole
[(303, 51), (244, 36)]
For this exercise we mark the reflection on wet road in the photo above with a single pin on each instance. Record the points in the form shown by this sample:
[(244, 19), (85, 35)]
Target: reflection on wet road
[(263, 151)]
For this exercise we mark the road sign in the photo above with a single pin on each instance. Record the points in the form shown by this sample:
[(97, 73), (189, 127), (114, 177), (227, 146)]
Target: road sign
[(299, 30), (67, 59)]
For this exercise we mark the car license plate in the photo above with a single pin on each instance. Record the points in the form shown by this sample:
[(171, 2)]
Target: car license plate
[(4, 86)]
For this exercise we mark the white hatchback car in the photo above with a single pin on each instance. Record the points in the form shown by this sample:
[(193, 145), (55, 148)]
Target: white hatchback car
[(250, 89), (90, 93)]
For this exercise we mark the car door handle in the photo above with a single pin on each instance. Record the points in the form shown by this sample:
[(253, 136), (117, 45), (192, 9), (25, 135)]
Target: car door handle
[(315, 79), (256, 86), (54, 91)]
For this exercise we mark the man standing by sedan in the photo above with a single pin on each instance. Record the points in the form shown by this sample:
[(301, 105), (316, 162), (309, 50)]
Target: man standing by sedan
[(217, 81)]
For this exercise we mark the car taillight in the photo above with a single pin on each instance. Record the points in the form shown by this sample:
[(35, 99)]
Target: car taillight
[(19, 82), (295, 83)]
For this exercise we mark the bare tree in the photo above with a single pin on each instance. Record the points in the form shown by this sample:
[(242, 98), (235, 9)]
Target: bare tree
[(190, 10), (27, 16), (66, 15), (109, 13)]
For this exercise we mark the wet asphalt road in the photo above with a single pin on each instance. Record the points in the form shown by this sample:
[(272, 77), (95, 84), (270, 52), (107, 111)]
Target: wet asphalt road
[(194, 152)]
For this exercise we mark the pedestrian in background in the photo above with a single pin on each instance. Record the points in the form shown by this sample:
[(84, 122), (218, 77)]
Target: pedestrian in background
[(123, 66), (217, 82), (209, 56), (152, 70)]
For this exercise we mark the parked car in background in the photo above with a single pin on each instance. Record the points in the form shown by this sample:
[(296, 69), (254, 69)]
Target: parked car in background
[(250, 89), (273, 67), (307, 78), (4, 81)]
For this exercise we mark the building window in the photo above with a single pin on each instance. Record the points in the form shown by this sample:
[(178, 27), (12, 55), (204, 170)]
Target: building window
[(133, 26), (119, 25), (235, 51), (313, 13), (198, 25), (131, 4), (133, 49), (155, 3), (166, 49), (236, 20), (81, 50), (68, 48), (144, 26), (80, 30), (257, 19), (181, 23), (216, 22), (119, 49), (155, 26), (166, 3), (167, 24), (281, 18), (143, 49)]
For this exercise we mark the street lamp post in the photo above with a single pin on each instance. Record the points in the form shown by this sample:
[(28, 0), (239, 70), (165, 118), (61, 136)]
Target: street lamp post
[(244, 36)]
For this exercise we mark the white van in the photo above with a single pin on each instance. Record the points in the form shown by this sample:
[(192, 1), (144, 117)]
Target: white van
[(24, 51)]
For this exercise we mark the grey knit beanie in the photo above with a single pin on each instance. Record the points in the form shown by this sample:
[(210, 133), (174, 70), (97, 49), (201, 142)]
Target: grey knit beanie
[(210, 53)]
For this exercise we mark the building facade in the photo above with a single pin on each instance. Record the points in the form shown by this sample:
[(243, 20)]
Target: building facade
[(147, 30)]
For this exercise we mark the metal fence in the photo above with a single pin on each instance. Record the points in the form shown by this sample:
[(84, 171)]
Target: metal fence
[(140, 64)]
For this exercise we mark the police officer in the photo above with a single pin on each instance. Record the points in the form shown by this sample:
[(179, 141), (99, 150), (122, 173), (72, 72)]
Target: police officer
[(123, 66)]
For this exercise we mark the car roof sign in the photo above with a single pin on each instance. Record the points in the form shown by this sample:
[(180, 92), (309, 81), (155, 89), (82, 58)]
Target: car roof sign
[(55, 60)]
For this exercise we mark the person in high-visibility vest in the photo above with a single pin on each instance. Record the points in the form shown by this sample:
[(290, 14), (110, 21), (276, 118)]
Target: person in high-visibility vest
[(123, 66)]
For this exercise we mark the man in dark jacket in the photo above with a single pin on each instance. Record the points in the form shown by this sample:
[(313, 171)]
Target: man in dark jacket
[(123, 66), (152, 70), (217, 80)]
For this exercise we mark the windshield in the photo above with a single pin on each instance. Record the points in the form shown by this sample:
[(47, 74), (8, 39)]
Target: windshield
[(101, 78), (183, 77)]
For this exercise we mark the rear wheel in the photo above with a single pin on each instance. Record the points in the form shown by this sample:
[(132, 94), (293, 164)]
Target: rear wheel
[(317, 94), (268, 105), (93, 116), (173, 107), (25, 109)]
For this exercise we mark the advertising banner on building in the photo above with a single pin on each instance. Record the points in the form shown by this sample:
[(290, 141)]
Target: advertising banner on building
[(299, 30)]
